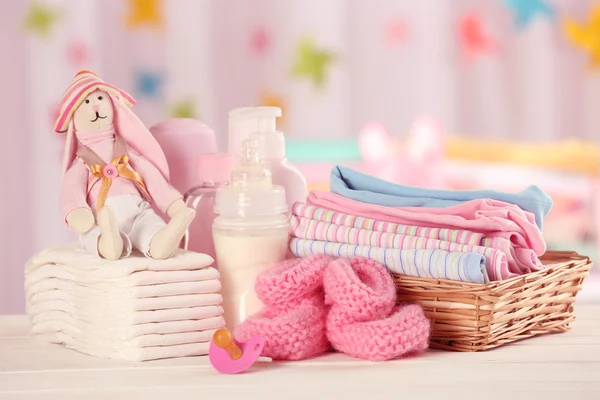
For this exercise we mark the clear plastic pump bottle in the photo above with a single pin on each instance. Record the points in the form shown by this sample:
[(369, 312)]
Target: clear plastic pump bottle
[(251, 233), (259, 124)]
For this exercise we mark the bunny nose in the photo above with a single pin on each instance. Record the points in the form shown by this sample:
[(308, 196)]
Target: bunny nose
[(95, 107)]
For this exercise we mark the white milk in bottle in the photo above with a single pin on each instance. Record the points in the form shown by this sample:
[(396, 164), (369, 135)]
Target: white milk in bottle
[(251, 233)]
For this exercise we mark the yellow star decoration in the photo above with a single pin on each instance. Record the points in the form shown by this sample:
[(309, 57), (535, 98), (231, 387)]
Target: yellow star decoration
[(40, 19), (312, 62), (145, 12), (183, 109), (586, 36), (272, 100)]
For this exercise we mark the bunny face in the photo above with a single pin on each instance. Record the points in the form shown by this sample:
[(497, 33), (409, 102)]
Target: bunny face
[(95, 112)]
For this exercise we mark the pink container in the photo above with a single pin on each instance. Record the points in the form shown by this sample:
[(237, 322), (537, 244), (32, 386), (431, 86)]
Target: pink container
[(183, 140)]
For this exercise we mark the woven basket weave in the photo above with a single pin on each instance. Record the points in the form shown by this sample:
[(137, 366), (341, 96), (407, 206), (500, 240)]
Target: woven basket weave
[(475, 317)]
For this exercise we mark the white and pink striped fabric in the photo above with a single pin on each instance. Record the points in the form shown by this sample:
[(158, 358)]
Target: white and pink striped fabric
[(495, 261)]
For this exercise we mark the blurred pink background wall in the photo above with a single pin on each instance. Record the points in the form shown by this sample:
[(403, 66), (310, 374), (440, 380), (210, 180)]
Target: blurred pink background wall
[(534, 86)]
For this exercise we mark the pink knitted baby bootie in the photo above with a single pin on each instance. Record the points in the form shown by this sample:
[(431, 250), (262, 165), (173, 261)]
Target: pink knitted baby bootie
[(363, 321), (293, 320)]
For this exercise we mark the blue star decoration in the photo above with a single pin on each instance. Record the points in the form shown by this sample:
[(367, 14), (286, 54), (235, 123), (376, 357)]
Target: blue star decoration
[(526, 10), (149, 83)]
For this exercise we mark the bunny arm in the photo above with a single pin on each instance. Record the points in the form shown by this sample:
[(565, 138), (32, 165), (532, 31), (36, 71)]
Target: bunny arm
[(73, 192), (162, 193)]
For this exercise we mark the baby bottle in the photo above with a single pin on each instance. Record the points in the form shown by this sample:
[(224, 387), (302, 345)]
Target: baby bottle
[(213, 172), (250, 233)]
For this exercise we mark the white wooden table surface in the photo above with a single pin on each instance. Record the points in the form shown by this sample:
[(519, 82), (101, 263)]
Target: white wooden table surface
[(560, 366)]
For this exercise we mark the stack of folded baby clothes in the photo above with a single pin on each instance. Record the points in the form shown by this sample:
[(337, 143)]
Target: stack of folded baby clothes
[(132, 309), (471, 236)]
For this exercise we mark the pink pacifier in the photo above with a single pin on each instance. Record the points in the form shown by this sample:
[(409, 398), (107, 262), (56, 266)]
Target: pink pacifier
[(228, 356)]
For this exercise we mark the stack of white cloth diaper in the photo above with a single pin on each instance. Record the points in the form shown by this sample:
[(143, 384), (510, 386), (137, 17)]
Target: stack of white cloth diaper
[(133, 309)]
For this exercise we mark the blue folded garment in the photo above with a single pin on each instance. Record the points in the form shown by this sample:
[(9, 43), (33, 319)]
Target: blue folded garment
[(368, 189)]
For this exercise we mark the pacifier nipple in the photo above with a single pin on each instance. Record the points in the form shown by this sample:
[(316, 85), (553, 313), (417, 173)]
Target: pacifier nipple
[(223, 339)]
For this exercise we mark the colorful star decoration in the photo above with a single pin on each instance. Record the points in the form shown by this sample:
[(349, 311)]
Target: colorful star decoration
[(259, 41), (586, 36), (526, 10), (144, 12), (396, 32), (473, 36), (78, 54), (40, 19), (270, 99), (312, 62), (183, 109), (149, 83)]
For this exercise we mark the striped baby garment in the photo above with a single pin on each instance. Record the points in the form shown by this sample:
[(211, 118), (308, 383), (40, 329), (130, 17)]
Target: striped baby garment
[(303, 210), (303, 228), (423, 263)]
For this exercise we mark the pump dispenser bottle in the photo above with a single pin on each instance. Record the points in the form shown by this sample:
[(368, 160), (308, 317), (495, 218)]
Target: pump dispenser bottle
[(259, 124), (250, 233)]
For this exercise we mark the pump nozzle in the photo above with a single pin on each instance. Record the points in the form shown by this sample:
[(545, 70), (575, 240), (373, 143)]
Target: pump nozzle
[(246, 120), (271, 143)]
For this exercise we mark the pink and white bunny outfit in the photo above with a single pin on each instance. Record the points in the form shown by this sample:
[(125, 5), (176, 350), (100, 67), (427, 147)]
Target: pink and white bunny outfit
[(128, 137)]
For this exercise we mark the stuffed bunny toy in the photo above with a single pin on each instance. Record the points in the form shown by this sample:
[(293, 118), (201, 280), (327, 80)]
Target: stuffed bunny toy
[(113, 173)]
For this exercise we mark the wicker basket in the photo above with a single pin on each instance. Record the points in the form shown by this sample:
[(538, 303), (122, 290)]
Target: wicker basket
[(474, 317)]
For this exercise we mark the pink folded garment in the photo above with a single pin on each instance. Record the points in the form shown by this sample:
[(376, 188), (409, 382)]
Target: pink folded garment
[(53, 321), (496, 264), (491, 217), (109, 292), (132, 354)]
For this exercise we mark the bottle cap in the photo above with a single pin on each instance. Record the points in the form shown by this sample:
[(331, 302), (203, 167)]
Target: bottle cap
[(250, 191), (214, 167)]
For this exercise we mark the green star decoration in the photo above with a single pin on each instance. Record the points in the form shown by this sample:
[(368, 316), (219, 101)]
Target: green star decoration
[(40, 19), (312, 62), (183, 109)]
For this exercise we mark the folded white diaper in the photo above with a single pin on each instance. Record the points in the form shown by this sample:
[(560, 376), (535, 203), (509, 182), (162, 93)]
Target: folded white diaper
[(99, 305), (110, 291), (143, 278), (54, 321), (129, 354), (74, 259), (133, 309), (171, 339), (125, 318)]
